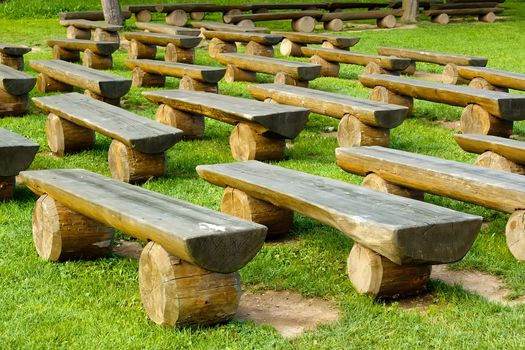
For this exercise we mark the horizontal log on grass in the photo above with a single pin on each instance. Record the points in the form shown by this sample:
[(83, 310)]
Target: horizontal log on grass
[(495, 77), (86, 24), (200, 7), (290, 6), (339, 41), (513, 150), (469, 11), (228, 27), (349, 16), (261, 38), (176, 69), (183, 41), (272, 16), (14, 50), (16, 153), (334, 5), (89, 15), (463, 5), (15, 82), (442, 58), (104, 48), (167, 29)]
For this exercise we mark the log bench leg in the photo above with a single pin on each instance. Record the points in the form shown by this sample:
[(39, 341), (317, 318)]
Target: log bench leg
[(254, 48), (247, 143), (328, 69), (11, 105), (487, 18), (236, 74), (65, 55), (177, 293), (139, 50), (493, 160), (476, 120), (104, 35), (239, 204), (188, 83), (217, 46), (73, 32), (304, 24), (481, 83), (289, 48), (96, 61), (177, 18), (451, 75), (335, 25), (386, 22), (284, 78), (16, 62), (382, 94), (442, 18), (329, 45), (197, 15), (246, 23), (142, 78), (410, 70), (7, 187), (143, 16), (515, 234), (44, 83), (375, 275), (351, 132), (374, 68), (64, 136), (60, 233), (192, 125), (177, 54), (129, 165), (111, 101), (377, 183)]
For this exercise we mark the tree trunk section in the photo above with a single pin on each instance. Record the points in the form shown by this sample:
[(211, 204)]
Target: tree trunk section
[(480, 83), (236, 74), (253, 48), (410, 9), (73, 32), (145, 79), (188, 83), (247, 144), (44, 83), (65, 137), (176, 54), (304, 24), (177, 18), (442, 18), (287, 79), (104, 35), (289, 48), (476, 120), (328, 69), (382, 94), (335, 25), (386, 22), (11, 105), (515, 233), (493, 160), (377, 183), (65, 55), (218, 46), (351, 132), (129, 165), (192, 125), (139, 50), (112, 12), (143, 16), (488, 17), (95, 61)]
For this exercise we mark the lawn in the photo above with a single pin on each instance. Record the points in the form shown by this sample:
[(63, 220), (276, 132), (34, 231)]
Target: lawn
[(96, 304)]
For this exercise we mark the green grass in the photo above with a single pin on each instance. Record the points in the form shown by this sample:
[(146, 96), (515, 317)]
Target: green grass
[(96, 304)]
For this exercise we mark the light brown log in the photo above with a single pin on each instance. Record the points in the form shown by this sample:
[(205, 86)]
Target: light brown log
[(375, 275), (188, 83), (111, 101), (352, 132), (95, 61), (377, 183), (386, 22), (73, 32), (410, 10), (65, 55), (246, 23), (304, 24), (248, 144), (192, 125), (289, 48), (140, 50), (515, 234), (104, 35), (382, 94), (129, 165), (197, 15), (493, 160), (177, 293), (177, 54), (410, 70), (476, 120), (11, 105), (218, 46), (65, 137), (7, 187), (442, 18), (328, 69), (239, 204), (61, 234), (374, 68), (143, 16), (142, 78), (16, 62), (233, 12), (236, 74), (335, 25), (488, 17), (287, 79), (177, 18), (481, 83), (451, 76), (44, 83), (254, 48)]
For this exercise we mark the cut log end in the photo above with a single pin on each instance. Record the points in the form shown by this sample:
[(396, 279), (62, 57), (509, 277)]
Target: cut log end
[(335, 25), (442, 18), (289, 48), (410, 70), (476, 120), (493, 160), (374, 68), (451, 75), (197, 16), (142, 78), (176, 54), (246, 23), (248, 144), (95, 61), (7, 187), (382, 94), (191, 125), (73, 32), (143, 16), (481, 83), (328, 69), (217, 46), (104, 35), (377, 183), (515, 233), (304, 24), (177, 18), (188, 83), (254, 48), (11, 105), (487, 18), (16, 62), (138, 50), (236, 74), (65, 137), (284, 78), (351, 132), (386, 22)]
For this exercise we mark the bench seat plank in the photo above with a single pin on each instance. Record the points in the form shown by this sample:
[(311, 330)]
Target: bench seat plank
[(500, 104), (403, 230), (87, 24), (290, 6), (104, 48), (271, 16), (175, 69), (441, 58), (466, 182), (496, 77), (283, 120), (183, 41), (513, 150), (209, 239), (357, 15), (14, 50), (467, 11), (261, 38), (332, 104), (16, 153), (463, 5), (340, 41), (227, 27), (167, 29), (15, 82), (89, 15)]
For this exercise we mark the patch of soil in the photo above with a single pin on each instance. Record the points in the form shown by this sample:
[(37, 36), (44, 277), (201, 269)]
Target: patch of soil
[(288, 312), (418, 303), (127, 249), (453, 125)]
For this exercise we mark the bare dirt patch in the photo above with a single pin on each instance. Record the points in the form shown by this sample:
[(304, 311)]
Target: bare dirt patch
[(418, 303), (127, 249), (453, 125)]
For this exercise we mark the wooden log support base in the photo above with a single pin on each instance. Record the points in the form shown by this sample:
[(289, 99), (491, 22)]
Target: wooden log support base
[(352, 132), (493, 160), (177, 54), (515, 234), (246, 143), (7, 187), (377, 183), (442, 18), (129, 165), (143, 16), (44, 83), (177, 293), (487, 18), (11, 105), (197, 16), (188, 83), (386, 22), (238, 203), (140, 50), (304, 24), (334, 25), (382, 94), (236, 74), (481, 83), (254, 48), (289, 48), (219, 46), (374, 68), (65, 55), (476, 120), (177, 18), (142, 78), (328, 69), (73, 32), (410, 70), (192, 125), (95, 61), (451, 76), (246, 23), (65, 137), (104, 35), (287, 79), (16, 62), (60, 233), (375, 275), (111, 101)]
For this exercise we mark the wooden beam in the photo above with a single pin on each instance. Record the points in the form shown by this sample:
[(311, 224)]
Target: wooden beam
[(464, 11), (14, 50), (355, 15), (104, 48), (261, 38), (89, 15), (339, 41), (495, 77), (176, 69), (442, 58), (513, 150), (227, 27), (271, 16), (167, 29), (183, 41), (86, 24), (15, 82), (16, 153)]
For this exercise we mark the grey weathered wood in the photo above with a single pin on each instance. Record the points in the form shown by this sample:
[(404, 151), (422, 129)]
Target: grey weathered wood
[(490, 188), (404, 230), (290, 6), (464, 11), (141, 7), (89, 15), (334, 5), (14, 81), (227, 27), (204, 237), (86, 24), (16, 153), (339, 41), (271, 16), (334, 105), (175, 69), (495, 77), (183, 41), (14, 50), (442, 58), (167, 29), (513, 150), (261, 38), (139, 133), (503, 105), (463, 5), (104, 84), (104, 48), (282, 120), (356, 15), (200, 7)]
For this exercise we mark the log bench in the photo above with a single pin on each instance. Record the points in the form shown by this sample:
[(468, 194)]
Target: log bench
[(293, 41), (260, 128), (16, 154), (179, 48), (89, 15), (152, 73), (82, 28), (302, 21), (308, 6), (138, 147), (408, 174), (57, 75), (486, 112), (242, 67), (362, 122), (442, 16), (259, 44), (96, 54), (396, 239), (228, 27), (384, 18), (188, 269), (167, 29), (13, 55), (489, 78), (14, 91)]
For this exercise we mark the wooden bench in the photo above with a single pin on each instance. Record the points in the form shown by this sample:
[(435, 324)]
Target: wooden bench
[(138, 147), (241, 67), (82, 28), (14, 91), (142, 12), (363, 122), (401, 173), (308, 6), (442, 16), (89, 15), (56, 75), (384, 18), (188, 269), (396, 239), (259, 44), (302, 21), (193, 77), (260, 128), (293, 41), (489, 78), (179, 48), (167, 29), (228, 27), (96, 54), (330, 60), (486, 112), (13, 55), (16, 154), (177, 14)]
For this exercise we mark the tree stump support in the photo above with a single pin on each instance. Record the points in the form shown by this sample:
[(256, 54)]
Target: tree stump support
[(132, 166), (13, 105), (96, 61), (247, 142), (44, 83), (65, 55), (217, 46), (284, 78), (138, 50), (382, 94), (16, 62), (254, 48), (192, 125), (73, 32), (351, 132), (111, 101), (476, 120), (328, 69), (377, 183), (7, 187), (177, 54), (65, 137), (236, 74), (145, 79)]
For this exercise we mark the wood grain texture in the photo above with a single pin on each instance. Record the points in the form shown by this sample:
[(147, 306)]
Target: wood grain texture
[(441, 58), (356, 15), (514, 232), (16, 62), (11, 105), (13, 49), (227, 27), (261, 38), (16, 152), (403, 230), (159, 39), (15, 82), (105, 48), (87, 24), (129, 165), (494, 76), (177, 69), (192, 125), (65, 137), (271, 16), (476, 120), (463, 12), (493, 160), (203, 237), (339, 41), (248, 143), (511, 149), (352, 132), (167, 29)]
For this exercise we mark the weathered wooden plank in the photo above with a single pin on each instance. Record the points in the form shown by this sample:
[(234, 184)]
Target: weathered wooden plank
[(204, 237), (298, 70), (405, 231), (227, 27), (14, 81), (282, 120), (290, 6), (167, 29), (176, 69), (334, 5), (513, 150), (339, 41), (467, 11), (271, 16), (16, 153), (14, 50), (466, 182), (141, 7), (463, 5), (334, 105), (104, 48), (357, 15), (184, 41), (496, 77), (89, 15), (261, 38), (139, 133), (104, 84), (87, 24), (442, 58), (500, 104), (348, 57), (200, 7)]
